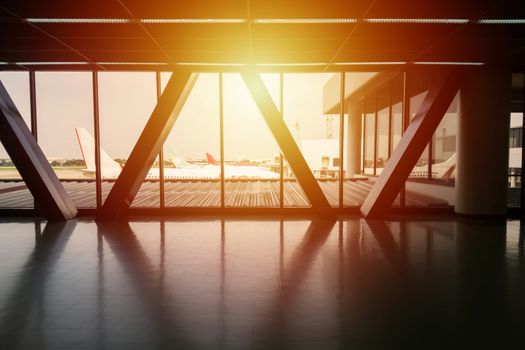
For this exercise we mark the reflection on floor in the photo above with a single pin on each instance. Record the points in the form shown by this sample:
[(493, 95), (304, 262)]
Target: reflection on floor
[(261, 284)]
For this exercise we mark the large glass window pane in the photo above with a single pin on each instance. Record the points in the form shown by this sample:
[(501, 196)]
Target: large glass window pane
[(421, 192), (315, 125), (444, 145), (397, 110), (383, 124), (420, 170), (192, 149), (64, 102), (515, 142), (14, 191), (369, 143), (418, 86), (397, 116), (249, 146), (126, 101)]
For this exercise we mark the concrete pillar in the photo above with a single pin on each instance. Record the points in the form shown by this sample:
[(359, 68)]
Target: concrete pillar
[(482, 144), (353, 152)]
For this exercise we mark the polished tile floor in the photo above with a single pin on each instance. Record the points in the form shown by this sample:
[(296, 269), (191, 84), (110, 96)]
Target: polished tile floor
[(262, 284)]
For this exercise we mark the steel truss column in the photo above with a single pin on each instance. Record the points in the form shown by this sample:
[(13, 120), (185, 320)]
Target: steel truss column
[(148, 145), (412, 144), (49, 194), (284, 139)]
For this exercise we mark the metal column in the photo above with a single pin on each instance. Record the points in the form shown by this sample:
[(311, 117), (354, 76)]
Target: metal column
[(148, 145), (285, 141), (49, 194), (411, 145)]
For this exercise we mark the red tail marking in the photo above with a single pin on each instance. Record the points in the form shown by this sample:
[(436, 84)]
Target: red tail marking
[(210, 159)]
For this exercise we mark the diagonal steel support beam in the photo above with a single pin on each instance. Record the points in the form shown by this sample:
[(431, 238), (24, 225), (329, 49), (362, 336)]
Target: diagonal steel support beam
[(148, 145), (51, 197), (412, 144), (282, 135)]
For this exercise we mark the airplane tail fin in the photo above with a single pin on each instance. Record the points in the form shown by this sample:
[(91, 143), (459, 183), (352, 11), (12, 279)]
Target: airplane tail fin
[(210, 159), (176, 159), (87, 148)]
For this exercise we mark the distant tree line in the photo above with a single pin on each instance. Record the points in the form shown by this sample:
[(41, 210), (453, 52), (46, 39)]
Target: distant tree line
[(68, 162)]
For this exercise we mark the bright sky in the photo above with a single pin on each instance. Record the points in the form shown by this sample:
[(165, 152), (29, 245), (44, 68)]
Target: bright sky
[(64, 101)]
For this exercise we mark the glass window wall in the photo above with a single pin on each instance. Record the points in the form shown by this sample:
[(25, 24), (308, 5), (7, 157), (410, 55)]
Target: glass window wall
[(64, 105), (14, 191)]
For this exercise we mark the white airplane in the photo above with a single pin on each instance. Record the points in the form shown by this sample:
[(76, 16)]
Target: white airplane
[(110, 169), (443, 171)]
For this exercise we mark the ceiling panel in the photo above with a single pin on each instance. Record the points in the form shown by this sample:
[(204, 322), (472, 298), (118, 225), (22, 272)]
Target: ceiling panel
[(186, 30), (32, 55), (429, 8), (187, 9), (212, 45), (258, 42), (94, 31), (32, 43), (397, 44), (306, 45), (203, 56), (375, 30), (110, 44), (272, 31), (308, 8), (125, 56), (19, 30), (66, 9), (376, 55)]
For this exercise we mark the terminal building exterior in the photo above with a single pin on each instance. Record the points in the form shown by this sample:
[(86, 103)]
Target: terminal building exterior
[(262, 174)]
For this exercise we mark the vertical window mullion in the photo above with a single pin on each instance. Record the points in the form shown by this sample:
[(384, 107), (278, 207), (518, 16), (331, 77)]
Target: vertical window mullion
[(390, 121), (221, 136), (341, 137), (96, 123), (363, 116), (281, 161), (32, 102), (161, 152), (406, 120), (430, 146), (375, 135)]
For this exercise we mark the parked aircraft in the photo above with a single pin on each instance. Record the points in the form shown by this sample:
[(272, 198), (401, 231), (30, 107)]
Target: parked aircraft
[(110, 169), (444, 170)]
